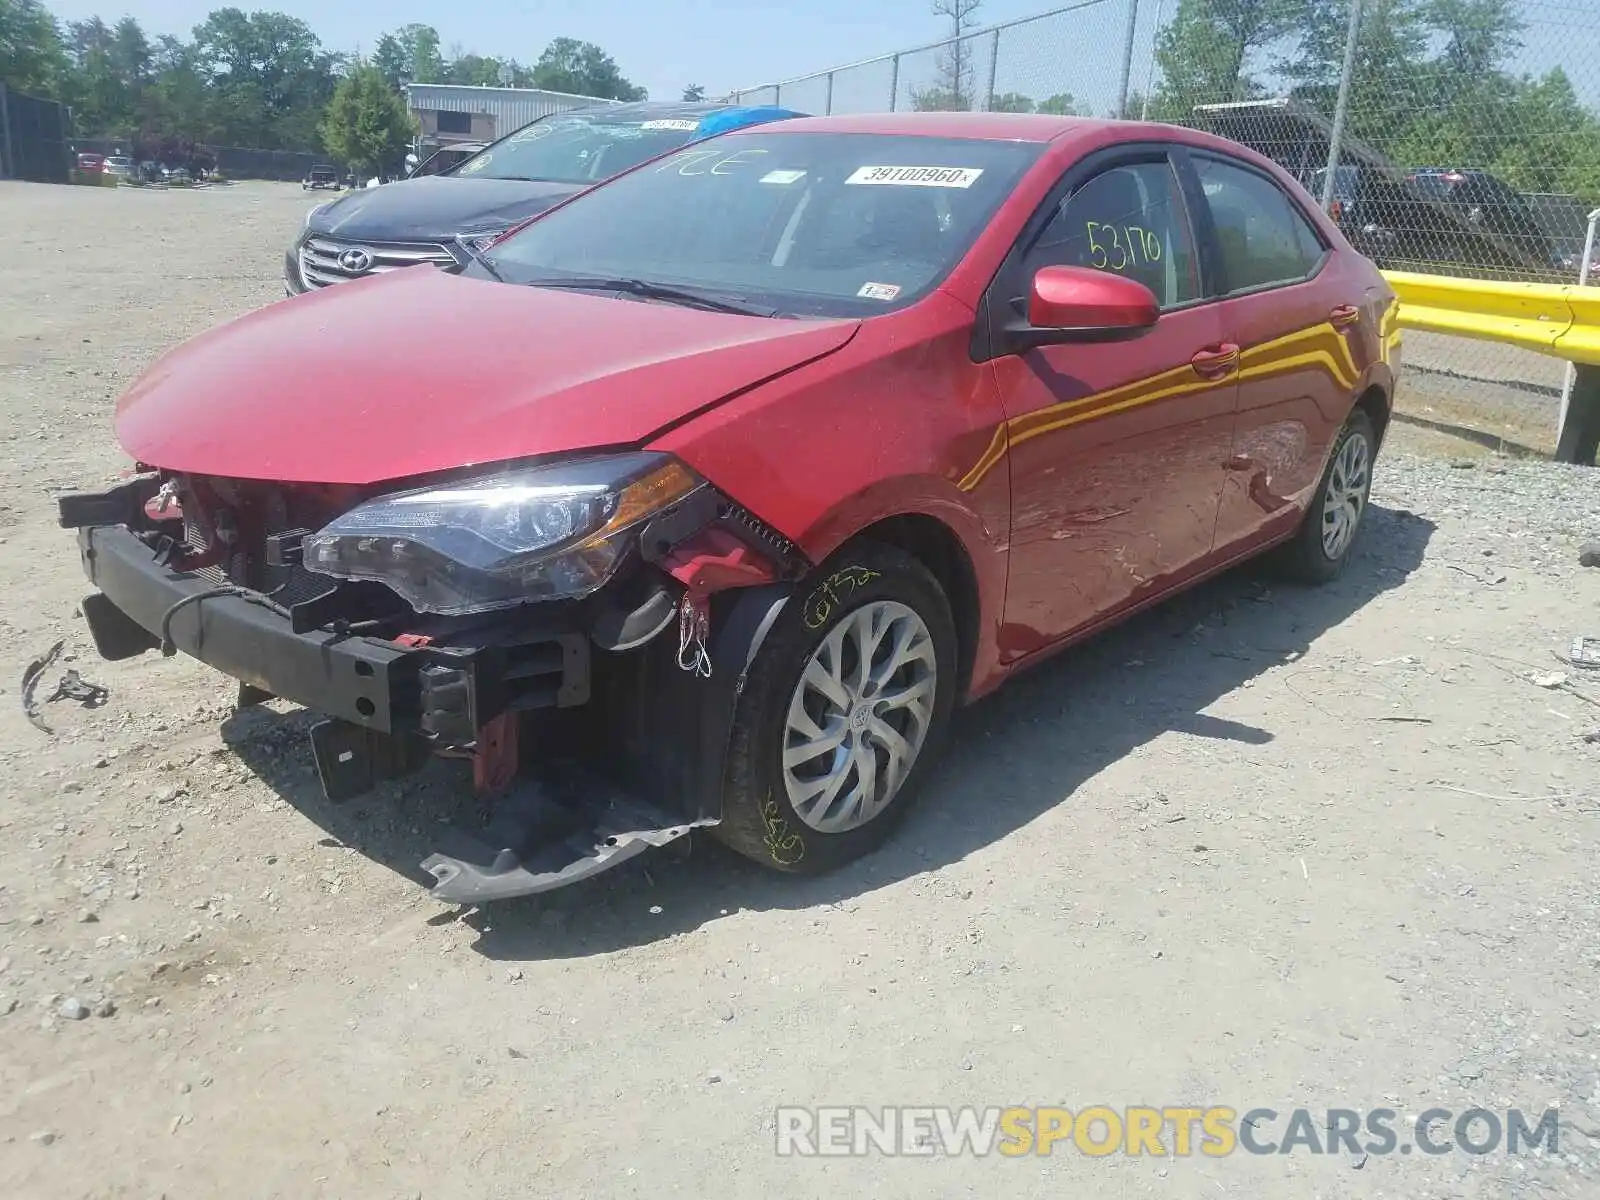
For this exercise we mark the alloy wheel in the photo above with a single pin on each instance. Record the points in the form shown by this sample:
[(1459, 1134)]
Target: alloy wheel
[(1346, 497), (858, 716)]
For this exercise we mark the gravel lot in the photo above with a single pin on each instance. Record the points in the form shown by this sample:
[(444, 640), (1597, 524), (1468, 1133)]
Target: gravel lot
[(1262, 847)]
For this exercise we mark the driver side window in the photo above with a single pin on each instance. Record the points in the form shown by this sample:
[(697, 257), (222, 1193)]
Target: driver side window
[(1129, 220)]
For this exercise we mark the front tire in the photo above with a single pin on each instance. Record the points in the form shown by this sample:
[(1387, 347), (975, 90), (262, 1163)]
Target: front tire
[(1319, 550), (844, 708)]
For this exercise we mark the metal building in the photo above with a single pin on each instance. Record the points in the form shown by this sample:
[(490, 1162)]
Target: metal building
[(450, 113)]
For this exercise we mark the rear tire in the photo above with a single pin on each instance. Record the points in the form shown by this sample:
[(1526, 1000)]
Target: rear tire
[(843, 710), (1320, 548)]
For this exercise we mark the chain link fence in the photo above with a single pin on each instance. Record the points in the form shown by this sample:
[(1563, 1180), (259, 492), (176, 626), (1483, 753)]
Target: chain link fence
[(1456, 137)]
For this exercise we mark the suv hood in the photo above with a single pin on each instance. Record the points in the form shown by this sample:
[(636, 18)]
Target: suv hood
[(436, 207), (418, 371)]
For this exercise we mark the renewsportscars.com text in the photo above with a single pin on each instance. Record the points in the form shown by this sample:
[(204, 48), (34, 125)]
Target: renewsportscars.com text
[(1167, 1131)]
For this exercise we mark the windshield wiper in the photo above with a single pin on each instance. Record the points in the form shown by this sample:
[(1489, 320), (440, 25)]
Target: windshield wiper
[(655, 291), (479, 260)]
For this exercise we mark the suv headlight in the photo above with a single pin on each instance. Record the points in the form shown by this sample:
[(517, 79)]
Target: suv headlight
[(540, 533)]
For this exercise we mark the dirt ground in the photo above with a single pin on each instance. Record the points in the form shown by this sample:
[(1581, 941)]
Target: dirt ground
[(1261, 847)]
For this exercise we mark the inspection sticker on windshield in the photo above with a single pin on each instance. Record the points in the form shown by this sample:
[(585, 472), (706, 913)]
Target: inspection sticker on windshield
[(783, 176), (956, 177), (685, 126), (879, 291)]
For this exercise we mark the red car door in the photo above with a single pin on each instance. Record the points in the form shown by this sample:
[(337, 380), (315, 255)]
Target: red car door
[(1293, 311), (1117, 451)]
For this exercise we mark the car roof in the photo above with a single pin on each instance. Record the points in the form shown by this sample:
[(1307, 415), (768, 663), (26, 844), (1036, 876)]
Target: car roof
[(990, 126), (647, 110)]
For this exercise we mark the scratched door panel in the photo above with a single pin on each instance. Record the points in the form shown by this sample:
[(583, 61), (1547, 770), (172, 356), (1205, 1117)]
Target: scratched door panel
[(1117, 456), (1296, 370), (1294, 389)]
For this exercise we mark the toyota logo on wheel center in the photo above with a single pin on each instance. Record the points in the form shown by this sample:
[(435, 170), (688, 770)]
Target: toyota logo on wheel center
[(355, 261)]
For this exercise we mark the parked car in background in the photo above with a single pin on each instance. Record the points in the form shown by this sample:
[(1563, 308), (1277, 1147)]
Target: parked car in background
[(91, 162), (1488, 203), (119, 165), (321, 175), (735, 475), (1345, 206), (1565, 221), (444, 219)]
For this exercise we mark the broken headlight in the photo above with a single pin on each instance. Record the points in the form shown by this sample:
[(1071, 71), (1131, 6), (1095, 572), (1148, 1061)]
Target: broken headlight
[(540, 533)]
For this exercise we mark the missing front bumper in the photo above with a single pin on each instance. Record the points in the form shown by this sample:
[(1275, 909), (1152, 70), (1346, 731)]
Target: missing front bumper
[(444, 693), (538, 843)]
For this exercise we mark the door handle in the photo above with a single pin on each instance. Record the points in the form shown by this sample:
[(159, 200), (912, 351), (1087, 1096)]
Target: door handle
[(1215, 361), (1344, 316)]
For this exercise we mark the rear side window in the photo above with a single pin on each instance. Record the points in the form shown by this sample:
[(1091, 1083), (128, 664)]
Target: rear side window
[(1129, 220), (1264, 238)]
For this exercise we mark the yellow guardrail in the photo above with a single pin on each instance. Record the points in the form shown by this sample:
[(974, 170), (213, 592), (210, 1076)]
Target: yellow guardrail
[(1558, 319)]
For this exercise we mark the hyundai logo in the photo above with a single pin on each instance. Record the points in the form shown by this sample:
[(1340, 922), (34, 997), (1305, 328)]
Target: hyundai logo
[(355, 261)]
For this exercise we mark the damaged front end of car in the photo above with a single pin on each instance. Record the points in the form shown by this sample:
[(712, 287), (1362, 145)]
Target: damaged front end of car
[(607, 606)]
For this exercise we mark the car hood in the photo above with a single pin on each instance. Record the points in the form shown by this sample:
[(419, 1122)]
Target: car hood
[(435, 207), (418, 371)]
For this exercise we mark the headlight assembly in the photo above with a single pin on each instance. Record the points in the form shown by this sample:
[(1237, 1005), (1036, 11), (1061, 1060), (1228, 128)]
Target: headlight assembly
[(541, 533)]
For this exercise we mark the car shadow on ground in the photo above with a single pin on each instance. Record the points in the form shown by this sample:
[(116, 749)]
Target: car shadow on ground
[(1024, 751)]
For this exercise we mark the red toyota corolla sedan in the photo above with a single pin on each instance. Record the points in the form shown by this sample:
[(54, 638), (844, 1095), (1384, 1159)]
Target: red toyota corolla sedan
[(708, 494)]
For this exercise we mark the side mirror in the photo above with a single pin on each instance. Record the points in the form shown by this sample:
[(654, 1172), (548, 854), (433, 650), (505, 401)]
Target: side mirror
[(1076, 304)]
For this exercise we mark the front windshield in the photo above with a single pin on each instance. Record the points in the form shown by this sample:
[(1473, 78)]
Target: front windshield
[(823, 224), (574, 148)]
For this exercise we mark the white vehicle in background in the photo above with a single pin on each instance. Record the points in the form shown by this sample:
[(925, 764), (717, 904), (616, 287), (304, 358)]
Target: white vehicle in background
[(119, 165)]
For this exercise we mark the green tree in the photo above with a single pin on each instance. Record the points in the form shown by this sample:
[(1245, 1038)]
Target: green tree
[(111, 73), (1480, 35), (410, 55), (32, 58), (936, 99), (694, 93), (474, 70), (584, 69), (269, 75), (1556, 143), (1013, 102), (179, 101), (131, 54), (367, 124), (1059, 105), (1209, 51)]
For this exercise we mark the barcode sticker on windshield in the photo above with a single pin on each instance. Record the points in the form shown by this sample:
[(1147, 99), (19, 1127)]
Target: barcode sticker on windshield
[(783, 176), (956, 177), (684, 126)]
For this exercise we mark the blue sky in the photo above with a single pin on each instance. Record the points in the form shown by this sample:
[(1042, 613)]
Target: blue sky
[(722, 44)]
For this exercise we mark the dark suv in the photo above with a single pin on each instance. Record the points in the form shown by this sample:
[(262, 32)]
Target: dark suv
[(1488, 204), (445, 218)]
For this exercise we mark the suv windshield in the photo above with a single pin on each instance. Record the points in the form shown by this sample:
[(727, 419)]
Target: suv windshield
[(825, 224), (578, 148)]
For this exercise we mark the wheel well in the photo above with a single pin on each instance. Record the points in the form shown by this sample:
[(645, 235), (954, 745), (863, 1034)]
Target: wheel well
[(1375, 404), (936, 546)]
